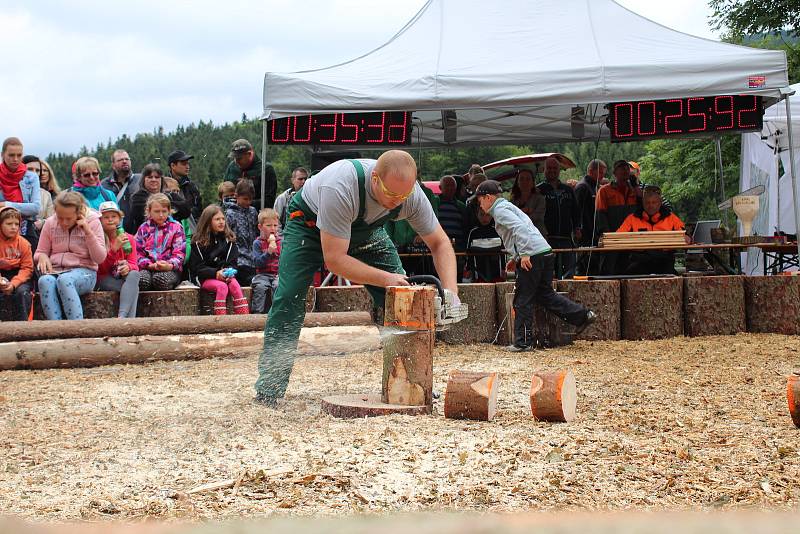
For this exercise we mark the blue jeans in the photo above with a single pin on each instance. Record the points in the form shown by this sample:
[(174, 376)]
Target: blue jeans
[(64, 290)]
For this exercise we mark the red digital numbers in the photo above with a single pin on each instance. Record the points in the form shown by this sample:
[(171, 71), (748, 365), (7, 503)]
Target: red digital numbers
[(277, 126), (726, 115), (400, 131), (380, 126), (628, 123), (756, 123), (353, 137), (701, 114), (644, 115), (374, 128), (677, 115), (331, 125)]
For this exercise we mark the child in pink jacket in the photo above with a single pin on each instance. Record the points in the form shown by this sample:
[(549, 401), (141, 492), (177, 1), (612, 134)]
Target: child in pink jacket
[(161, 246), (71, 246)]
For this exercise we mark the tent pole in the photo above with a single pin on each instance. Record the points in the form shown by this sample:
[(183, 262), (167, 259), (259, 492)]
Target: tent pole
[(263, 161), (778, 181), (792, 170), (718, 146)]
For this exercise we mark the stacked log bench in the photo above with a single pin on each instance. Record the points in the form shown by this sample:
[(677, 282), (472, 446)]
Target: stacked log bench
[(651, 308)]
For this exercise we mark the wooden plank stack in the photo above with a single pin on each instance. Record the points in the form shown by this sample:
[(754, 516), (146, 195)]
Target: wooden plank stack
[(644, 240)]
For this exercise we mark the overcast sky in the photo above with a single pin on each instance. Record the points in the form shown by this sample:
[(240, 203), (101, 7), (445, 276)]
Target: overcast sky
[(82, 71)]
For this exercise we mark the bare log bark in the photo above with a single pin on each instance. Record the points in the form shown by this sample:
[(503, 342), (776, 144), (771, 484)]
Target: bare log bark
[(180, 325), (554, 396), (471, 395), (408, 368), (410, 307), (353, 406), (90, 352)]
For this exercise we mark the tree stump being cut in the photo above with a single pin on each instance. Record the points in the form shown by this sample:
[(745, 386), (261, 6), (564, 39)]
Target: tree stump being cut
[(793, 396), (356, 406), (554, 396), (408, 368), (410, 307), (471, 396)]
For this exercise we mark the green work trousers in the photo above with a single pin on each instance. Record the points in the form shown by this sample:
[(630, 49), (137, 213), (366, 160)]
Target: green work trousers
[(301, 257)]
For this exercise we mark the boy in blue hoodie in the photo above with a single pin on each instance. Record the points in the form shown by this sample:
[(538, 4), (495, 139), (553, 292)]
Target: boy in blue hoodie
[(534, 262)]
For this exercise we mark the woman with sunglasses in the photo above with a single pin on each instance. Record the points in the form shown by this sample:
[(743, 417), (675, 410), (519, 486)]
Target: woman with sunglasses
[(87, 172)]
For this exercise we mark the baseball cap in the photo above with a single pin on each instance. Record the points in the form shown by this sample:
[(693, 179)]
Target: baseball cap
[(621, 163), (489, 187), (239, 148), (178, 155), (109, 205)]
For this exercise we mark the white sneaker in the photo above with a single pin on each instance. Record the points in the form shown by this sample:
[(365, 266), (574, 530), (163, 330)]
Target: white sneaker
[(186, 285)]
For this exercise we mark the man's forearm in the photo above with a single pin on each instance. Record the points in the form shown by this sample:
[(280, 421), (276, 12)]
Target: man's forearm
[(445, 261), (357, 271)]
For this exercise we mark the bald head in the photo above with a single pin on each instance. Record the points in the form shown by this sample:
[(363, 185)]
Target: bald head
[(396, 164), (552, 169)]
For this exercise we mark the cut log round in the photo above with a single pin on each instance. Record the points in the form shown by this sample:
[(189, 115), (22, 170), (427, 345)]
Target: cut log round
[(179, 325), (773, 304), (410, 307), (168, 303), (471, 395), (480, 326), (352, 406), (504, 335), (408, 368), (714, 305), (603, 298), (343, 298), (554, 396), (652, 308), (90, 352), (793, 396)]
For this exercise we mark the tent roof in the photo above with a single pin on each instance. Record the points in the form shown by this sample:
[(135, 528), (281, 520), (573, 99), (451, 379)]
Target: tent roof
[(514, 70)]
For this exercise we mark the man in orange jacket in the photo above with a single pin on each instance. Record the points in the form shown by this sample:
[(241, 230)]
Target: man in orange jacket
[(653, 216)]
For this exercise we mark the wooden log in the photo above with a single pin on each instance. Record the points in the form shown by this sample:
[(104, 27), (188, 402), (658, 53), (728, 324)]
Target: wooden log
[(354, 406), (168, 303), (714, 305), (502, 313), (471, 395), (96, 305), (206, 301), (772, 304), (652, 308), (181, 325), (90, 352), (793, 397), (554, 396), (410, 307), (480, 326), (343, 298), (408, 368), (602, 297)]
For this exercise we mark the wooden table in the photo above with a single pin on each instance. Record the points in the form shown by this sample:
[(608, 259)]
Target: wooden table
[(709, 252), (778, 258)]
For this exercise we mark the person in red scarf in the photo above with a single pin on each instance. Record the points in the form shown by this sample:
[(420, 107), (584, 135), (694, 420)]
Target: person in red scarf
[(19, 188)]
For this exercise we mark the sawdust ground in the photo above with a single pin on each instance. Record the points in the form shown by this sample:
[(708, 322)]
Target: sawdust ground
[(673, 424)]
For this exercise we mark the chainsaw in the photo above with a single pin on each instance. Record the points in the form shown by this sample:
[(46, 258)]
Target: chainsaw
[(447, 307)]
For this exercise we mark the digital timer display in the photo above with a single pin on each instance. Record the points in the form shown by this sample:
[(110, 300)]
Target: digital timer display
[(376, 128), (629, 121)]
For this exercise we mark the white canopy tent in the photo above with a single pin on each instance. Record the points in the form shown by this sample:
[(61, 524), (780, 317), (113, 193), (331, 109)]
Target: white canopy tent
[(523, 71), (763, 154)]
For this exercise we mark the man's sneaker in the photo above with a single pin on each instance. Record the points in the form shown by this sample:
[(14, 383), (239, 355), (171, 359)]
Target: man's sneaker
[(590, 318), (519, 348), (186, 285)]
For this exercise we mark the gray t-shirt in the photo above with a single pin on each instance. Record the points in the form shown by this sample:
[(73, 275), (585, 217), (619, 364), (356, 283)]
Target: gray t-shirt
[(333, 195)]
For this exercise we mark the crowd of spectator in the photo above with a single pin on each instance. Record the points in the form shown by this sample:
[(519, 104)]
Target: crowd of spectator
[(129, 232)]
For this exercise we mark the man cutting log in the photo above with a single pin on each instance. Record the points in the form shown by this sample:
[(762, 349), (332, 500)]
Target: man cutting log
[(337, 218)]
